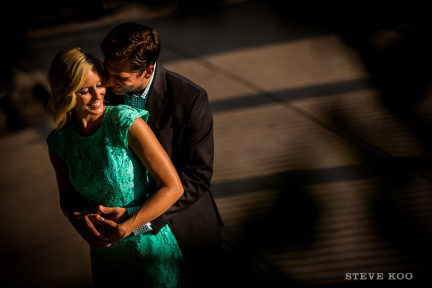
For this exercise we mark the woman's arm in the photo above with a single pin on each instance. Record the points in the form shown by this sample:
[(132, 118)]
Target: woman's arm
[(147, 148), (72, 205)]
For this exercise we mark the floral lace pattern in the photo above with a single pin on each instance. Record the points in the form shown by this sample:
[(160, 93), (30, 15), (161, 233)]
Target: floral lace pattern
[(105, 171)]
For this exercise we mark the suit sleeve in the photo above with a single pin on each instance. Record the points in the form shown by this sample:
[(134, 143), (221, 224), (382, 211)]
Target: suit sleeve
[(194, 159)]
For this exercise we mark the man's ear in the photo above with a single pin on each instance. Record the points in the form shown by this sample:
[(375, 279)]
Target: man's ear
[(149, 71)]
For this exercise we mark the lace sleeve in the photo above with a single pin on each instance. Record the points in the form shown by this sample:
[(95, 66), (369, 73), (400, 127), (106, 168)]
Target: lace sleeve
[(55, 143), (122, 118)]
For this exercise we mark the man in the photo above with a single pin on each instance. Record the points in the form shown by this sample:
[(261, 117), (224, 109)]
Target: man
[(181, 118)]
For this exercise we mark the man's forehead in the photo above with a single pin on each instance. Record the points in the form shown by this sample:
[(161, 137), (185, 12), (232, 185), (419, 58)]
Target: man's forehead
[(117, 67)]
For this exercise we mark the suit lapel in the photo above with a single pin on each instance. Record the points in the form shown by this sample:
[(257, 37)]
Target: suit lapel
[(156, 101)]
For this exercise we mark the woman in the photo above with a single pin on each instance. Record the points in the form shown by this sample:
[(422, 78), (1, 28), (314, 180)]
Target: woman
[(102, 154)]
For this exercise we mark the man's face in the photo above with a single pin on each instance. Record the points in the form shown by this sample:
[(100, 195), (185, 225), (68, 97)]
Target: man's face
[(122, 80)]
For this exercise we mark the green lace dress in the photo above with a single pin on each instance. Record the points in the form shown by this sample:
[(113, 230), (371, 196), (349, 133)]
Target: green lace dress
[(106, 172)]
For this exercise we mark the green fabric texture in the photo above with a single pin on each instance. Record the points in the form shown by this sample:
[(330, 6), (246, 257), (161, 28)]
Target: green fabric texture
[(105, 171)]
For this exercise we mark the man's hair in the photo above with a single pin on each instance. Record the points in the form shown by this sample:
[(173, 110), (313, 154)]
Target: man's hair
[(138, 44)]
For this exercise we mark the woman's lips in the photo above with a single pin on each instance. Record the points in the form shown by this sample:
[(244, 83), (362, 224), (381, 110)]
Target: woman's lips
[(96, 105)]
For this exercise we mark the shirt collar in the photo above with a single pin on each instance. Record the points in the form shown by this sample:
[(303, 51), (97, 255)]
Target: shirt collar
[(147, 89)]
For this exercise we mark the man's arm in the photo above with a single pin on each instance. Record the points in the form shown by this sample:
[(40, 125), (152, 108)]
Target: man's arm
[(194, 159)]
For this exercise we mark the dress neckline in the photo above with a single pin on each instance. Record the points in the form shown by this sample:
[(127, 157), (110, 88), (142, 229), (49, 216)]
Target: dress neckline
[(97, 131)]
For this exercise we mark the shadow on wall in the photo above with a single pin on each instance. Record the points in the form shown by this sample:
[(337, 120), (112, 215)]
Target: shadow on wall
[(22, 106), (395, 46)]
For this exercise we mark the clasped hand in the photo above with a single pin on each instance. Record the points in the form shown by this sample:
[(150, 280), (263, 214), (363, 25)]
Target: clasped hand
[(103, 228)]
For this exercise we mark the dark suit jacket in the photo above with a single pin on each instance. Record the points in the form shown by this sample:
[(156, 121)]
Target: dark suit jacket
[(181, 118)]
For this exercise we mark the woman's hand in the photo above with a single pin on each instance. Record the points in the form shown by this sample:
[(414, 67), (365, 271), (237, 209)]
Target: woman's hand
[(116, 214), (109, 228), (84, 225)]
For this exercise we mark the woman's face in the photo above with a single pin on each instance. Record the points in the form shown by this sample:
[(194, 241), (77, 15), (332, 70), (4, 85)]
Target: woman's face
[(90, 96)]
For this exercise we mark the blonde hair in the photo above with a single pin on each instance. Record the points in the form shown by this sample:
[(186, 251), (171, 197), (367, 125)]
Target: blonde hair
[(66, 76)]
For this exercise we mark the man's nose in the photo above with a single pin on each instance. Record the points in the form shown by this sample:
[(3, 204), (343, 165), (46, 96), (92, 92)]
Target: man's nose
[(109, 81)]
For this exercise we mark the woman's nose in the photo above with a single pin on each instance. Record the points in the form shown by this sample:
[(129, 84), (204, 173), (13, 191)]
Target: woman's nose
[(96, 93)]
